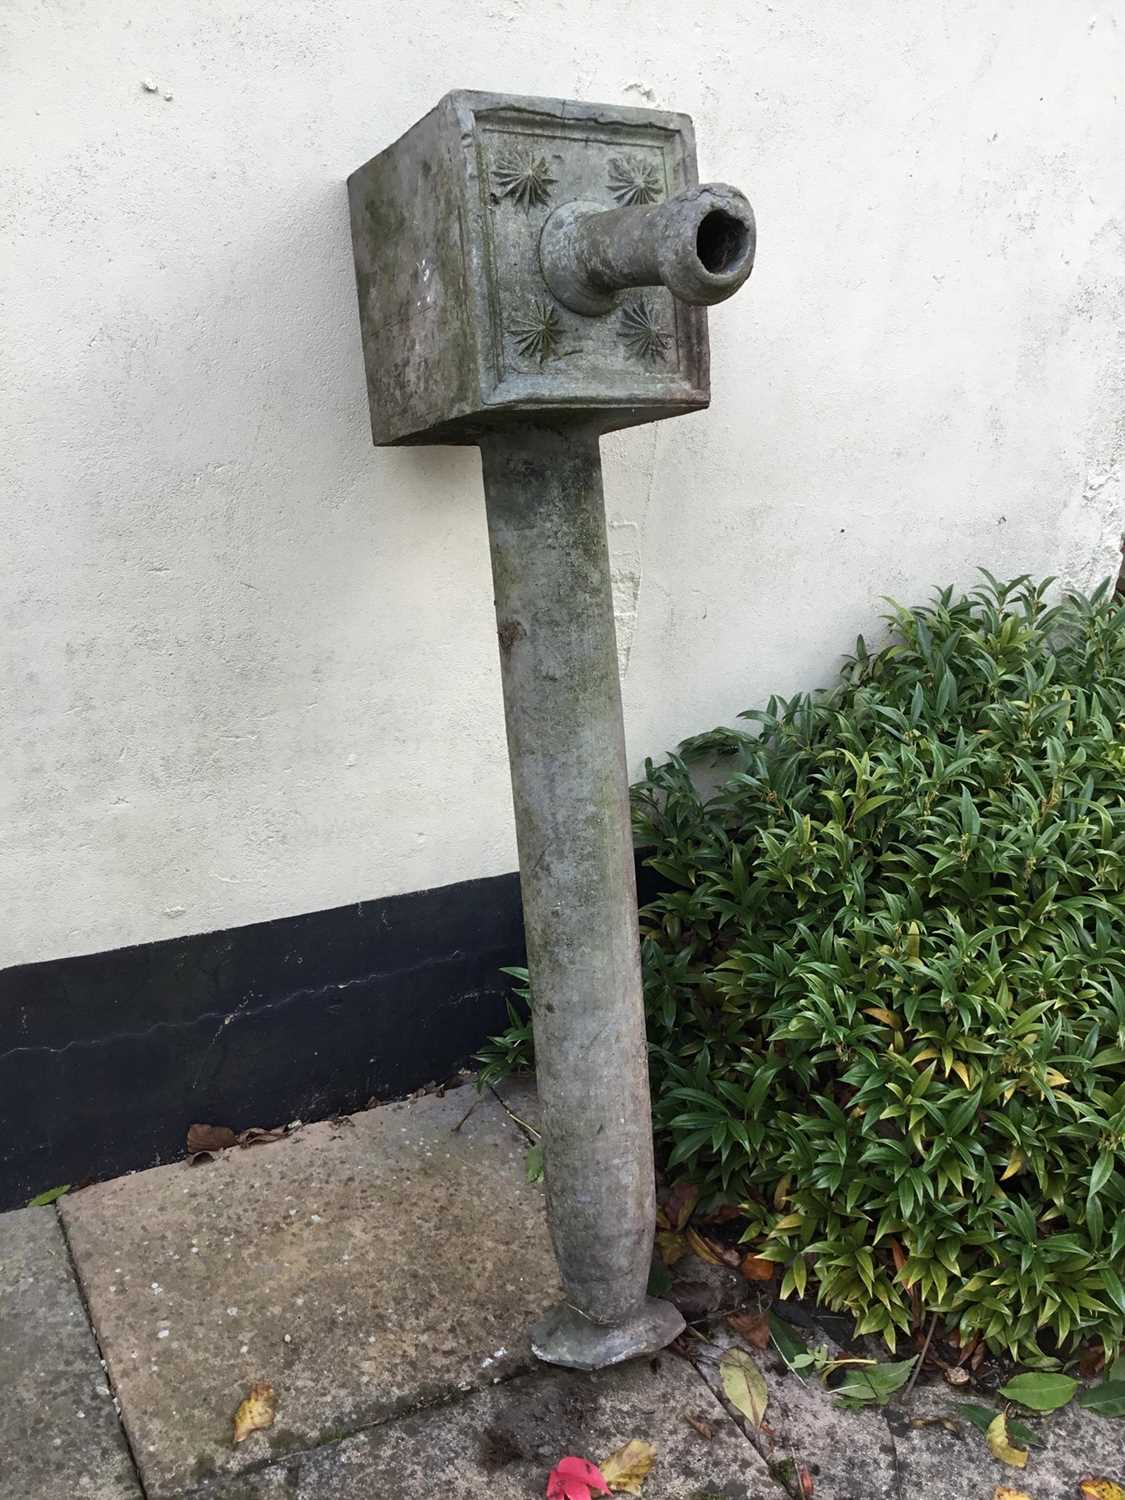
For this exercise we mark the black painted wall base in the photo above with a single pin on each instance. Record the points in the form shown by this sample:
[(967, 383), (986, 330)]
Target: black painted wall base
[(106, 1059)]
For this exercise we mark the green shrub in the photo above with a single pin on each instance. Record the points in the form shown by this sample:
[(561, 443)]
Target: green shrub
[(886, 986)]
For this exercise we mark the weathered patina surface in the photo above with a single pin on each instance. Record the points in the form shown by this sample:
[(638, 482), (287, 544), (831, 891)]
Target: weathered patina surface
[(566, 744), (533, 273), (461, 332), (698, 244)]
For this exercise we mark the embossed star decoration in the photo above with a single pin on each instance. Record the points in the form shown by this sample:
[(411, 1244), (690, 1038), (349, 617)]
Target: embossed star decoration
[(524, 178), (539, 332), (641, 333), (631, 180)]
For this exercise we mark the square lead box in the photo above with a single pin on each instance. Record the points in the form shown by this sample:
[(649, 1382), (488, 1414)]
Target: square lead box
[(460, 330)]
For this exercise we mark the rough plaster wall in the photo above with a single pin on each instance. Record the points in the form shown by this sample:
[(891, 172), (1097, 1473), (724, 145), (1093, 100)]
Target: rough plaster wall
[(249, 665)]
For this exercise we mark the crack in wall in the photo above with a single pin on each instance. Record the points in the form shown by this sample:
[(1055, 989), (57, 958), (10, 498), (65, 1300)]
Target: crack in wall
[(239, 1011)]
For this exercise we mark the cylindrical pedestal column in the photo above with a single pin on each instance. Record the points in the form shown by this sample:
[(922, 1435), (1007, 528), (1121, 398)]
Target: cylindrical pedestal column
[(562, 700)]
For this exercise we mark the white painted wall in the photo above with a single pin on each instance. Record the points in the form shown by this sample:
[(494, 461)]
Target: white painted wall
[(249, 665)]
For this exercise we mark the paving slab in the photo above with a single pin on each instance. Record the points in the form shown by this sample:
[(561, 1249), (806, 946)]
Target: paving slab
[(958, 1466), (908, 1447), (520, 1096), (363, 1267), (503, 1442), (59, 1434), (850, 1455)]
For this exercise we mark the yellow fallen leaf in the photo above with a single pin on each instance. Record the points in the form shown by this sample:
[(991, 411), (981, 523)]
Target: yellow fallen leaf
[(744, 1385), (256, 1412), (1002, 1492), (627, 1469), (1000, 1446), (1101, 1489), (703, 1248)]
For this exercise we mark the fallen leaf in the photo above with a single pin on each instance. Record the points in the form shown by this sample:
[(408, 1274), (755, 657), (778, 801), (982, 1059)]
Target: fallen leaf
[(1002, 1492), (982, 1418), (804, 1482), (704, 1429), (678, 1206), (1091, 1361), (744, 1384), (792, 1350), (575, 1479), (1000, 1447), (754, 1268), (209, 1138), (256, 1136), (1107, 1399), (947, 1424), (256, 1412), (871, 1383), (898, 1254), (672, 1246), (1040, 1390), (712, 1251), (703, 1248), (627, 1469), (1101, 1489), (753, 1327), (52, 1195)]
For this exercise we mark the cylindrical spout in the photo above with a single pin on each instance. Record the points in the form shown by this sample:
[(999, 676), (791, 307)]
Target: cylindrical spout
[(699, 244)]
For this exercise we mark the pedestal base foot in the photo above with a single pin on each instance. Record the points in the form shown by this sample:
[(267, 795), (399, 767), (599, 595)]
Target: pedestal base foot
[(565, 1337)]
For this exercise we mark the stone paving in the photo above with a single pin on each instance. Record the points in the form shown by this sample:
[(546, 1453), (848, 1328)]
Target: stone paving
[(906, 1450), (380, 1272), (364, 1268), (59, 1433)]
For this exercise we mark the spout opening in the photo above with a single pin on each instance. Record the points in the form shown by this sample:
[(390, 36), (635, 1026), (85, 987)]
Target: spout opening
[(721, 242)]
